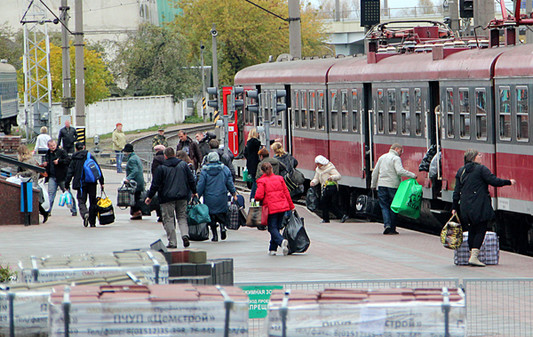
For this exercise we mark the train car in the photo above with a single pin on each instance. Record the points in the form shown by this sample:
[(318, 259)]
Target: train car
[(8, 98), (453, 97)]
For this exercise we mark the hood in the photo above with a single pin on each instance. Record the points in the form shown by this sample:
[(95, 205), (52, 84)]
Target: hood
[(394, 152), (172, 162), (213, 168), (80, 155), (326, 168), (469, 167)]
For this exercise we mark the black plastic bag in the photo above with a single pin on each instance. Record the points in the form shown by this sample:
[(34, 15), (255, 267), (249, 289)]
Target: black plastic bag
[(198, 232), (295, 233), (312, 199), (424, 164)]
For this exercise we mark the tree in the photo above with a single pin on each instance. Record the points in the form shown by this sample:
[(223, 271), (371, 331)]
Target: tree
[(247, 35), (152, 61), (11, 47), (97, 77)]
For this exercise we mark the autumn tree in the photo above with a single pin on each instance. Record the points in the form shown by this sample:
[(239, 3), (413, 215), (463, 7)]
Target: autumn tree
[(247, 35), (153, 61)]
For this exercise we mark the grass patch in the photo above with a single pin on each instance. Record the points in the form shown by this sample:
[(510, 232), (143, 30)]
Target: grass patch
[(193, 119)]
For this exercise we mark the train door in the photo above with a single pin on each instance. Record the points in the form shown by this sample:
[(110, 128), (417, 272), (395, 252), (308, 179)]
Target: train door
[(287, 120), (433, 133), (367, 127)]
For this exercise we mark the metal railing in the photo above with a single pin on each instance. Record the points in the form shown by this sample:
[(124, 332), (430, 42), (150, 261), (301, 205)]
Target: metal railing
[(495, 307)]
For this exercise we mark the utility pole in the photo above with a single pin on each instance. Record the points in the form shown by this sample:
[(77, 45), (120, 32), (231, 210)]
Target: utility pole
[(529, 33), (67, 90), (337, 10), (295, 38), (214, 34), (80, 66), (202, 47)]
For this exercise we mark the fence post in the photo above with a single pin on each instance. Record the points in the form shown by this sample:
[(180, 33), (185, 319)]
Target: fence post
[(283, 312), (11, 300), (446, 310), (228, 303), (66, 310)]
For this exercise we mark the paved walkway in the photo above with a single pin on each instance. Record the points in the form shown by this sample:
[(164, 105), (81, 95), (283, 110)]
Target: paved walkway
[(353, 250)]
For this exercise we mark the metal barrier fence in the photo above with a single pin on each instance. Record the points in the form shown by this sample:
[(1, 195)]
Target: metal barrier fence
[(495, 307)]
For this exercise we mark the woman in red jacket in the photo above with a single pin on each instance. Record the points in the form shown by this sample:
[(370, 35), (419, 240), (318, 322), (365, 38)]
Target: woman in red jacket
[(273, 193)]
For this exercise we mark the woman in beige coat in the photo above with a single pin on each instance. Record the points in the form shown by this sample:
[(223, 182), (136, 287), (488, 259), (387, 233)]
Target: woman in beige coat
[(328, 177)]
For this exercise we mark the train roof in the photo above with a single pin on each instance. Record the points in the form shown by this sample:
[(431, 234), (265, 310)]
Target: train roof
[(465, 64), (515, 62), (301, 71)]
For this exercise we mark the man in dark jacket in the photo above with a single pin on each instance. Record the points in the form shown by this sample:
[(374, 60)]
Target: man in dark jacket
[(56, 162), (225, 155), (173, 181), (214, 183), (159, 158), (76, 176), (67, 137), (186, 144), (472, 199), (203, 142)]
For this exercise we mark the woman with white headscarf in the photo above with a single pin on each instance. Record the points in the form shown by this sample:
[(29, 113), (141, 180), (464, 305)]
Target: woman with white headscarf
[(328, 177)]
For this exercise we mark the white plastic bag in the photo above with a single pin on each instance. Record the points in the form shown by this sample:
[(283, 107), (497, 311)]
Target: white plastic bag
[(44, 193)]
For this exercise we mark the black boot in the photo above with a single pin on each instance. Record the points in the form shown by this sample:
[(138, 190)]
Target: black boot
[(215, 233), (222, 232)]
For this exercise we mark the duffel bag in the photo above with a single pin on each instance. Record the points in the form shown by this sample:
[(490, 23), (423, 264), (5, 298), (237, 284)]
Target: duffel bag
[(368, 206), (104, 209), (451, 235), (197, 213)]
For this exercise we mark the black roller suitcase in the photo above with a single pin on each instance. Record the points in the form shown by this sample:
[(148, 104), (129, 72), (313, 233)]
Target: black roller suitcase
[(368, 206)]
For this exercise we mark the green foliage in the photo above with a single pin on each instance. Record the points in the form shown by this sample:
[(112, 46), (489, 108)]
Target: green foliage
[(6, 274), (152, 61), (11, 46), (193, 119)]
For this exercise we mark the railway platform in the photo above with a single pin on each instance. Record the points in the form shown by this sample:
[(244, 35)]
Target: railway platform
[(351, 254)]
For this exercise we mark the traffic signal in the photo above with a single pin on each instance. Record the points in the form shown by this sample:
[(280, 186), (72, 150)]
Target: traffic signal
[(280, 106), (254, 107), (213, 91), (370, 12), (237, 97), (466, 8)]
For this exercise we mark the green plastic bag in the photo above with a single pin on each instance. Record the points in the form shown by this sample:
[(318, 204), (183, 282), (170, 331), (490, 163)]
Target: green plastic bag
[(408, 198), (246, 176)]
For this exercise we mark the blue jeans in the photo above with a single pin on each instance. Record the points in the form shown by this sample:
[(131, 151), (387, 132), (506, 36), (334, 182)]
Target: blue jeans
[(119, 156), (53, 184), (274, 224), (385, 196)]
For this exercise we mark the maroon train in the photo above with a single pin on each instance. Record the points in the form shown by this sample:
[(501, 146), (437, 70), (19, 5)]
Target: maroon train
[(352, 109)]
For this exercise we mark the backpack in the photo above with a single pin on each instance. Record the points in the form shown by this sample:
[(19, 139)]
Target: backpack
[(91, 171)]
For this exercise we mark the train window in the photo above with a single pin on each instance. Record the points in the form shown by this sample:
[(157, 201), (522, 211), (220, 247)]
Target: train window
[(355, 119), (320, 115), (450, 114), (405, 122), (380, 111), (312, 115), (464, 114), (334, 110), (481, 114), (296, 110), (391, 96), (522, 122), (505, 113), (344, 110), (303, 108), (418, 112)]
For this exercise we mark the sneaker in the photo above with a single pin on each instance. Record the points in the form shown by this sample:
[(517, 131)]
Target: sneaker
[(344, 218), (86, 220), (388, 231), (285, 247), (186, 242), (272, 253), (171, 246)]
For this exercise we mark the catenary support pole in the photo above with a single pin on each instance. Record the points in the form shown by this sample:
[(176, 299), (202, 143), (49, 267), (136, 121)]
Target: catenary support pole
[(80, 65)]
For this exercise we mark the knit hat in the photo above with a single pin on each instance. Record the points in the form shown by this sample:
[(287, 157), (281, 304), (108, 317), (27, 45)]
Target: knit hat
[(212, 157), (118, 124), (159, 147), (321, 160), (128, 148)]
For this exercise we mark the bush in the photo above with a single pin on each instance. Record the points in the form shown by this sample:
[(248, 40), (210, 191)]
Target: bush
[(6, 274), (193, 119)]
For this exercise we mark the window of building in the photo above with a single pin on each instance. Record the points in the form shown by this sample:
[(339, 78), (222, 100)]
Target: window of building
[(312, 112), (355, 115), (334, 110), (391, 97), (522, 111), (380, 111), (505, 113), (481, 114), (405, 123), (321, 116), (303, 109), (344, 110), (450, 120), (418, 112), (464, 114)]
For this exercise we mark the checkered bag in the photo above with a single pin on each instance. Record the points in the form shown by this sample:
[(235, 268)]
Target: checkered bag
[(233, 215), (126, 194), (489, 252)]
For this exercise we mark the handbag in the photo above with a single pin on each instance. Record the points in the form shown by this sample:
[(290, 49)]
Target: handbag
[(408, 199), (233, 212), (197, 213), (451, 235), (264, 215), (253, 219), (126, 194), (104, 209)]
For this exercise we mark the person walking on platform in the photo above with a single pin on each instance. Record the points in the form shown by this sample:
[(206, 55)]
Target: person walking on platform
[(471, 199), (24, 155), (328, 177), (67, 138), (264, 157), (188, 145), (386, 178), (134, 172), (56, 163), (174, 182), (119, 141), (288, 161), (159, 158), (253, 145), (225, 155), (203, 142), (275, 196), (80, 183), (159, 139), (41, 143), (214, 183)]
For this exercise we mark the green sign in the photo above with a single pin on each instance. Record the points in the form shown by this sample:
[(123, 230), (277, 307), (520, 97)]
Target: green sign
[(259, 297)]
